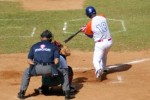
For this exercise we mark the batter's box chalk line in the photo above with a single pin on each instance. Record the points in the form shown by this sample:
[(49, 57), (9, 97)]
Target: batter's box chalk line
[(6, 19), (65, 26), (30, 36), (17, 27), (10, 27)]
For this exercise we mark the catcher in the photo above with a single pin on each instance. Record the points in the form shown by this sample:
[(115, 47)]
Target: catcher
[(65, 73)]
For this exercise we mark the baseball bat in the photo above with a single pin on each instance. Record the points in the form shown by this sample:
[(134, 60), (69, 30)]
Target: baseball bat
[(73, 35)]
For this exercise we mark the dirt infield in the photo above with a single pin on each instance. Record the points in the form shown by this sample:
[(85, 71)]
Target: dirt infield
[(40, 5), (125, 81)]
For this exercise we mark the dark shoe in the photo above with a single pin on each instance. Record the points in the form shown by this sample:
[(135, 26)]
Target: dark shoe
[(67, 95), (21, 94), (38, 91), (42, 90), (72, 89)]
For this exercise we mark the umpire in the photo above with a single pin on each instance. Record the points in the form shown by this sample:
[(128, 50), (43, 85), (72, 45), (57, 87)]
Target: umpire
[(42, 58)]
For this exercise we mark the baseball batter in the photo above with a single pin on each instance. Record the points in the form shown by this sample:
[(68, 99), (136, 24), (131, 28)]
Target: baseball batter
[(97, 28)]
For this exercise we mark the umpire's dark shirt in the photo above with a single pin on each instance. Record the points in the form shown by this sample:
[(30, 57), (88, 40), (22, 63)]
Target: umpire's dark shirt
[(43, 52)]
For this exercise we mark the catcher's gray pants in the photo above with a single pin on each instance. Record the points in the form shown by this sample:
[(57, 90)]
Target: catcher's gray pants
[(65, 76), (36, 70)]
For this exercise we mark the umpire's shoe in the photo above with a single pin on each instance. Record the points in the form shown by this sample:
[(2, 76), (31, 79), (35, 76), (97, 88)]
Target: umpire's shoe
[(67, 95), (21, 94)]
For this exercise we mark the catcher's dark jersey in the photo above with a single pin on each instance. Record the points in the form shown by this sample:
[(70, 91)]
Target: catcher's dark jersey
[(43, 52)]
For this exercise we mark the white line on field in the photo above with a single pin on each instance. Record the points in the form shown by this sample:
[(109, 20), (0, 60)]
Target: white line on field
[(11, 27), (124, 27), (33, 31), (113, 66), (119, 20), (132, 62), (65, 27), (32, 34), (122, 23), (15, 37), (78, 19), (4, 19), (82, 69), (114, 19)]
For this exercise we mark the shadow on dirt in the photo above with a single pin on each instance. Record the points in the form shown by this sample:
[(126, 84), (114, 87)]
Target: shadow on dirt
[(119, 68), (57, 90), (79, 83), (116, 68)]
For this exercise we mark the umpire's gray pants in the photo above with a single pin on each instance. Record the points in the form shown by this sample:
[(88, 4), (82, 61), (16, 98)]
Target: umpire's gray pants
[(65, 77), (36, 70)]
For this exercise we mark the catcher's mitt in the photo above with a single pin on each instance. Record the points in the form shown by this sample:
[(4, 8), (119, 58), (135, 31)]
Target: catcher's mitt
[(64, 50)]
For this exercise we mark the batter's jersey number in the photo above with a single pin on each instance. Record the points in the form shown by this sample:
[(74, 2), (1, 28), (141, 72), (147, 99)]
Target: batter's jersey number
[(102, 27)]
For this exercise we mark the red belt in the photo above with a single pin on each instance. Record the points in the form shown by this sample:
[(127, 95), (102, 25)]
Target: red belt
[(101, 40)]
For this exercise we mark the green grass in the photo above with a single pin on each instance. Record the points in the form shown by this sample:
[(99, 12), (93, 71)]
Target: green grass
[(17, 22)]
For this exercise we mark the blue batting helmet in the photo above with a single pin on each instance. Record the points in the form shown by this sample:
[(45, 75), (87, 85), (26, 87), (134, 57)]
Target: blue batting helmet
[(90, 11)]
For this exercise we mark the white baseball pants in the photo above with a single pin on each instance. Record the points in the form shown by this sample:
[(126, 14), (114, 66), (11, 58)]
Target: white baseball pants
[(100, 54)]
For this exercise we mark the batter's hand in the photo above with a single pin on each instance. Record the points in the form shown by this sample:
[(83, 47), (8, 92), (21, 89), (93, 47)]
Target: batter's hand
[(83, 28)]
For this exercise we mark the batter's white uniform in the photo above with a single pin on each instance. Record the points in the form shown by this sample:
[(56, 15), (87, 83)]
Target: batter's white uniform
[(97, 28)]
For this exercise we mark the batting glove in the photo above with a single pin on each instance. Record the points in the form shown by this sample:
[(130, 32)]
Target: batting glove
[(83, 28)]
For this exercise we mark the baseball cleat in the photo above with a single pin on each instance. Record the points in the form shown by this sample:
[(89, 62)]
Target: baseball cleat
[(101, 75), (38, 91)]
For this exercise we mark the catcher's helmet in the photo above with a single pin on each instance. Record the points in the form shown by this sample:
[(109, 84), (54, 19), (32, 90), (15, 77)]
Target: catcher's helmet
[(47, 34), (90, 11)]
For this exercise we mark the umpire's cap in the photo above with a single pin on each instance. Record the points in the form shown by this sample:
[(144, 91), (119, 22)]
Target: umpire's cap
[(47, 34)]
